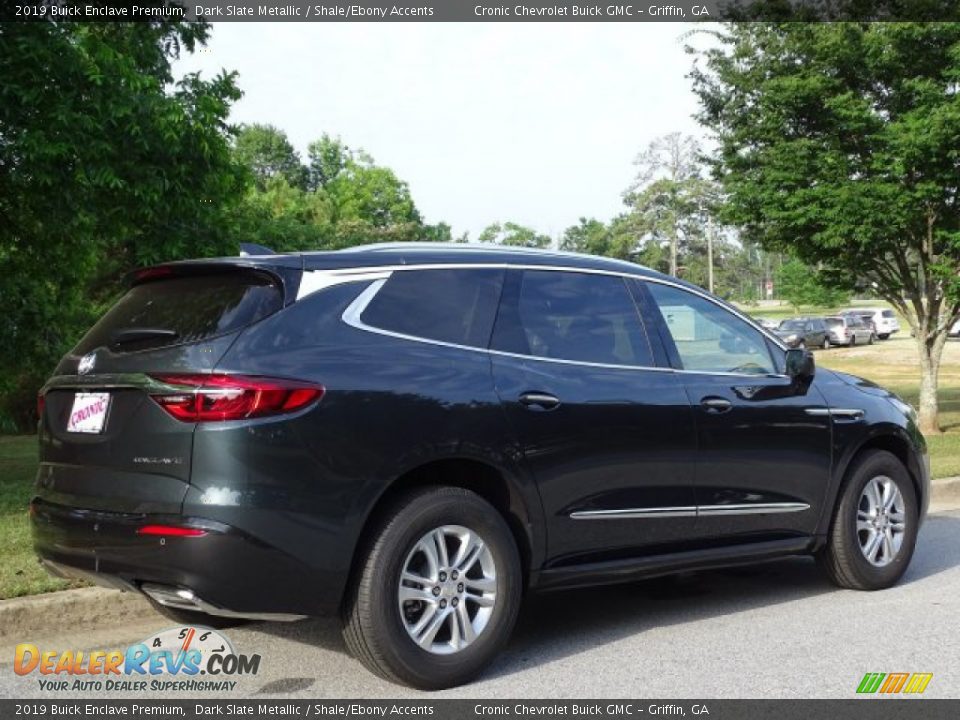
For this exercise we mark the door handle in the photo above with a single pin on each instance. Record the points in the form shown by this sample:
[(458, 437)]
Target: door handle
[(545, 401), (715, 404)]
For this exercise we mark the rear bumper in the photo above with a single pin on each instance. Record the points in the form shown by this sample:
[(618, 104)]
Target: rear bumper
[(224, 572)]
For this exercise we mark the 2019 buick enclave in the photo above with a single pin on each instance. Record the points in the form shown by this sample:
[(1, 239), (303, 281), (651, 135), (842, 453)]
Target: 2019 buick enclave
[(412, 436)]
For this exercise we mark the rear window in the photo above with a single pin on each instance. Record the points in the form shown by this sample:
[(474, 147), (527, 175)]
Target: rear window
[(792, 325), (834, 322), (177, 310), (888, 314), (453, 306)]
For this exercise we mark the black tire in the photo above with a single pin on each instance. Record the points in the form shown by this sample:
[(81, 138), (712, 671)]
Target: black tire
[(194, 618), (883, 337), (826, 343), (842, 559), (853, 339), (870, 341), (373, 628)]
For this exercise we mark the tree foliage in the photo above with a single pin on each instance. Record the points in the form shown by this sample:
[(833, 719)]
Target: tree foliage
[(105, 164), (839, 143), (513, 234)]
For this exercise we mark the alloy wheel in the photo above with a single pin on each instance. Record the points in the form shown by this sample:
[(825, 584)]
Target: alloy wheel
[(447, 589), (881, 521)]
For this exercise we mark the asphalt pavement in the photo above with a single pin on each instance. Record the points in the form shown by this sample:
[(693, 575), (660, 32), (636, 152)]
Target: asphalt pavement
[(773, 630)]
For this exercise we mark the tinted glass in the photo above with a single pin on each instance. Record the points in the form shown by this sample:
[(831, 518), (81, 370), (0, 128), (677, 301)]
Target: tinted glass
[(888, 314), (708, 337), (454, 306), (834, 322), (792, 325), (186, 309), (572, 316)]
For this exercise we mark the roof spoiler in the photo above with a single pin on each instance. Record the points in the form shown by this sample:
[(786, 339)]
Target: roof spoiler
[(254, 249)]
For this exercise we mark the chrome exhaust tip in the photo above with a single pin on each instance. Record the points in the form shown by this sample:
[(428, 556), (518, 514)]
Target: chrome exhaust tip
[(181, 598)]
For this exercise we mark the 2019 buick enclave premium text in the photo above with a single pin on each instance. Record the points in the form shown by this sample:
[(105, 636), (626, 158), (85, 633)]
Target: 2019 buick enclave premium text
[(413, 436)]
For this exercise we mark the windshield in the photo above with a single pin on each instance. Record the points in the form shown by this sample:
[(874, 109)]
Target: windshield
[(792, 325)]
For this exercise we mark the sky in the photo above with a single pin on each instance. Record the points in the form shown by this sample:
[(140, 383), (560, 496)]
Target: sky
[(487, 122)]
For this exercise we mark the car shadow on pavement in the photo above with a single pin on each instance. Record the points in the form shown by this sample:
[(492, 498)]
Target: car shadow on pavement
[(559, 624)]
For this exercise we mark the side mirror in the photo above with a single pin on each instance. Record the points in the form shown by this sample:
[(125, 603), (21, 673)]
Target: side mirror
[(800, 366)]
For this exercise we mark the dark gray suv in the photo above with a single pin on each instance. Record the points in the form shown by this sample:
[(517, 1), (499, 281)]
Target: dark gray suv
[(415, 436)]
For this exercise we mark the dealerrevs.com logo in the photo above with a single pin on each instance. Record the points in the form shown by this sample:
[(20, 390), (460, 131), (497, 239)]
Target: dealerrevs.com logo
[(893, 683), (183, 658)]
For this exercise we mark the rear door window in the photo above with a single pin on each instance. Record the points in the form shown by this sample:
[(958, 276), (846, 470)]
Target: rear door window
[(452, 306), (176, 310), (571, 316)]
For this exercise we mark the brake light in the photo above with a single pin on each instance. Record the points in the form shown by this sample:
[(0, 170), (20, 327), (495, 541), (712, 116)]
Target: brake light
[(41, 403), (206, 398), (171, 531)]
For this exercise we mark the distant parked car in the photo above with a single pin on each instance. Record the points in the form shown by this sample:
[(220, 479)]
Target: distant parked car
[(954, 330), (883, 320), (804, 332), (849, 330)]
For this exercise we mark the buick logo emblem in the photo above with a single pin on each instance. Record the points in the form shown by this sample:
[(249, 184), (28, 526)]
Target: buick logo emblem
[(86, 364)]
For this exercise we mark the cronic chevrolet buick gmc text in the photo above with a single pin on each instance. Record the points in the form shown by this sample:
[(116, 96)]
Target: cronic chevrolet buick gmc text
[(415, 435)]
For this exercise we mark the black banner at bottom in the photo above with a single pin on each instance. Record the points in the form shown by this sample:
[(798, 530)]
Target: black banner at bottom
[(866, 708)]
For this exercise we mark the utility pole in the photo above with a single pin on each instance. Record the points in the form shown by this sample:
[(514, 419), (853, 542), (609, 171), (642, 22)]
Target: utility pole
[(710, 254)]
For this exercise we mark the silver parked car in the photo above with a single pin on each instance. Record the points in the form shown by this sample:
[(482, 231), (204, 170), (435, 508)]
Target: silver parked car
[(849, 330), (884, 320)]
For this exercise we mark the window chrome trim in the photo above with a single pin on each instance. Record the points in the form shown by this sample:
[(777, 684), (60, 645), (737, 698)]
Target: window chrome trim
[(691, 511), (380, 274)]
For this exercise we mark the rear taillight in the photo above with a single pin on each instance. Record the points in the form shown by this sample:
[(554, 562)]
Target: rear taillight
[(171, 531), (206, 398), (41, 403)]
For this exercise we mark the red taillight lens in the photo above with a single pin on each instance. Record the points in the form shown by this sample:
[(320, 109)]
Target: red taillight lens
[(205, 398), (41, 403), (171, 531)]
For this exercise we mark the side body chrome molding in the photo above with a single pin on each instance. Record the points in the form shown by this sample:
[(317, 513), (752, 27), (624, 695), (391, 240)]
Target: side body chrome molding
[(853, 413), (690, 511)]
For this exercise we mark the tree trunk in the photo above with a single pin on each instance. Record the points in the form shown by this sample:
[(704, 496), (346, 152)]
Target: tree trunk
[(930, 351), (673, 253)]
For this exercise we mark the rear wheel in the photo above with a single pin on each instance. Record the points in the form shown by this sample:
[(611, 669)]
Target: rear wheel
[(438, 592), (884, 336), (853, 339), (826, 343), (870, 341), (874, 528)]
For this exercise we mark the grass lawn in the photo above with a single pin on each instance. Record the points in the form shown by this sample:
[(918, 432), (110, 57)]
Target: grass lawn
[(891, 363), (20, 573)]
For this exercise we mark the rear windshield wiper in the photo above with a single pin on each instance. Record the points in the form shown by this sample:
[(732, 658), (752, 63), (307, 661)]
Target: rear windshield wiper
[(137, 334)]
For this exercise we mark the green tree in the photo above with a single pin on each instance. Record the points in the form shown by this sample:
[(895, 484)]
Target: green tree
[(268, 153), (669, 193), (513, 234), (838, 142), (105, 163), (799, 285)]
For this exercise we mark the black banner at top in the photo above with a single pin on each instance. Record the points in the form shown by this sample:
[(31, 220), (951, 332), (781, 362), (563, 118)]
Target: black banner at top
[(478, 10)]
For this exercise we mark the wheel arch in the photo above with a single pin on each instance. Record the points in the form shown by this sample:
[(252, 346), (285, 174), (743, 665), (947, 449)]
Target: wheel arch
[(894, 440), (495, 485)]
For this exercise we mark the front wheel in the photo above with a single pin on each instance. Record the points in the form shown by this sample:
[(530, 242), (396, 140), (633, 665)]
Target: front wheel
[(438, 592), (874, 528), (826, 343)]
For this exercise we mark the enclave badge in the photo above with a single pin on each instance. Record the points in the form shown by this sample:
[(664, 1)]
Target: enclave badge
[(86, 364)]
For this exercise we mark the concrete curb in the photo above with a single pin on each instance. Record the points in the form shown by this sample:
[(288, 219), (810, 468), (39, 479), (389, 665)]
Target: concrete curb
[(69, 610), (87, 608)]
